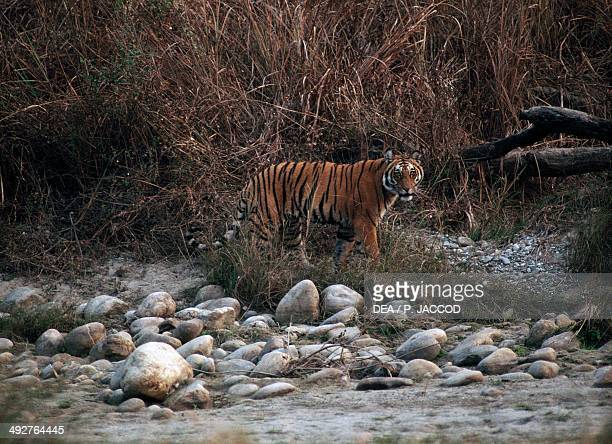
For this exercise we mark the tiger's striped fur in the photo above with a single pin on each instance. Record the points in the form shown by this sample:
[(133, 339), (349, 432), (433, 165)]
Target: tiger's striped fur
[(353, 196)]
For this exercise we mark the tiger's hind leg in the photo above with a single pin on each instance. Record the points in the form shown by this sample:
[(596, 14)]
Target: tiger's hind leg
[(345, 241), (293, 237)]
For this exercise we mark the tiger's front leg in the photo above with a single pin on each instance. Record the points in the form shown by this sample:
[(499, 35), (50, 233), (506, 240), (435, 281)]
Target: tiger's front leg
[(292, 237), (345, 241), (366, 232)]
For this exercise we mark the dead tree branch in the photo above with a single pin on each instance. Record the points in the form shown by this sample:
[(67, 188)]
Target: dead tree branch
[(545, 121)]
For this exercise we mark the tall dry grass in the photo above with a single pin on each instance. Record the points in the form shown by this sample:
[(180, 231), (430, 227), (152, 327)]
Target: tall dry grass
[(122, 121)]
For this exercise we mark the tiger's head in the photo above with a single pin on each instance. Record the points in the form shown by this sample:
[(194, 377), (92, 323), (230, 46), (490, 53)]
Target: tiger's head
[(402, 175)]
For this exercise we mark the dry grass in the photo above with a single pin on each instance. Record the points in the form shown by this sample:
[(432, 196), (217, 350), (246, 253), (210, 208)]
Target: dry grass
[(122, 121), (260, 275)]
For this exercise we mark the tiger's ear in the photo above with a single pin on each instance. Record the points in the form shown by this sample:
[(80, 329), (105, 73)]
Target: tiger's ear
[(388, 156), (416, 155)]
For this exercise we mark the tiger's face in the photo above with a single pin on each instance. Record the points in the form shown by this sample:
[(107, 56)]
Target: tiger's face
[(402, 176)]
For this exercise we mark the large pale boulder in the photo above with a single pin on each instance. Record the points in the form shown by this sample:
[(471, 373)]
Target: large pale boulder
[(158, 304), (153, 370), (300, 304), (339, 297)]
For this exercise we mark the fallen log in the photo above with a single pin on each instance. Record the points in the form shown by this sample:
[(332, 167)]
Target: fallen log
[(545, 121), (553, 162)]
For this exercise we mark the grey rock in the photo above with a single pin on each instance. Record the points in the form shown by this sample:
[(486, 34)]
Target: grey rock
[(243, 390), (326, 374), (201, 363), (543, 369), (275, 389), (232, 345), (102, 307), (323, 330), (147, 323), (50, 343), (218, 318), (346, 334), (542, 354), (343, 316), (422, 345), (209, 292), (148, 336), (584, 368), (5, 345), (603, 377), (564, 322), (383, 383), (300, 304), (6, 357), (465, 348), (201, 345), (185, 331), (48, 372), (131, 405), (130, 316), (163, 413), (541, 330), (22, 298), (464, 241), (235, 366), (272, 364), (218, 354), (192, 396), (221, 303), (23, 381), (273, 343), (249, 352), (158, 304), (339, 297), (114, 347), (420, 369), (498, 362), (153, 370), (235, 379), (81, 339), (463, 377), (564, 341), (516, 377), (103, 365)]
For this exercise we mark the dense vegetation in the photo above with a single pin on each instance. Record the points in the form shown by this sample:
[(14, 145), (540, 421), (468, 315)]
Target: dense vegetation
[(124, 121)]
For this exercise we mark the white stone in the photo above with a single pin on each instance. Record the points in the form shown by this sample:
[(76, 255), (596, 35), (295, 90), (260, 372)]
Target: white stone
[(153, 370), (157, 304), (300, 304), (339, 297), (102, 307)]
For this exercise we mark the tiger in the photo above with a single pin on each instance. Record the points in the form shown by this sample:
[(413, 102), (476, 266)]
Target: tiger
[(355, 197)]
